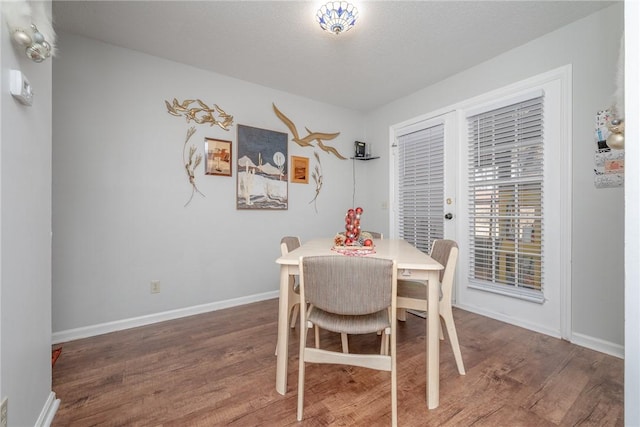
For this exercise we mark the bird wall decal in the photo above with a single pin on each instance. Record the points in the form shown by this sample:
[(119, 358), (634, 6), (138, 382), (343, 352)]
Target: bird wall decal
[(307, 141), (202, 115)]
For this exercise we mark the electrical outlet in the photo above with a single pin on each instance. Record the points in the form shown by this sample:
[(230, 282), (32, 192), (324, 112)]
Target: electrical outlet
[(4, 408), (155, 288)]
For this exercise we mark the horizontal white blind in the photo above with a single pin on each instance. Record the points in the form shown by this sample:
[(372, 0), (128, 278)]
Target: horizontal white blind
[(505, 198), (421, 186)]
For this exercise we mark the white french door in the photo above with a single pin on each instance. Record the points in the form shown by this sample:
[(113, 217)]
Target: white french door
[(507, 192), (424, 185)]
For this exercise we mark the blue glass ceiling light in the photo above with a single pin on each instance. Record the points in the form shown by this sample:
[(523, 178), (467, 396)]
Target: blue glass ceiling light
[(337, 16)]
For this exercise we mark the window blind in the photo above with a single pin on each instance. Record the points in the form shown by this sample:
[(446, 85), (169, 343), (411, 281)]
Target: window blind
[(421, 186), (506, 166)]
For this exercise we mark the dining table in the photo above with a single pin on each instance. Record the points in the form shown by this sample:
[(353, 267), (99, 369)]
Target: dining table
[(412, 264)]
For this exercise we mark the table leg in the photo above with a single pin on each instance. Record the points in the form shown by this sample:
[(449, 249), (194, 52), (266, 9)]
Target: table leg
[(283, 332), (433, 342)]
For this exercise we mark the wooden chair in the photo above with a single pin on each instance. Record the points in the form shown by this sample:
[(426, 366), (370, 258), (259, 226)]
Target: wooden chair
[(413, 295), (287, 244), (351, 295), (344, 337)]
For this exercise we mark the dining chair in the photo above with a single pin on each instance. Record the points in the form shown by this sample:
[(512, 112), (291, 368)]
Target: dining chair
[(413, 294), (287, 244), (344, 337), (351, 295)]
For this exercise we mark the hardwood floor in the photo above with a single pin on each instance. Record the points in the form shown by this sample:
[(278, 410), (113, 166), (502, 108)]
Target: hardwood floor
[(218, 369)]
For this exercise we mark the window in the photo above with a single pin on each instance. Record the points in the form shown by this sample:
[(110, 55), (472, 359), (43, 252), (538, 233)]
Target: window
[(506, 214), (420, 186)]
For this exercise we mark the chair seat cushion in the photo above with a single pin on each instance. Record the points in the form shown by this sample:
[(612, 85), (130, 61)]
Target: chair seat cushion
[(364, 324)]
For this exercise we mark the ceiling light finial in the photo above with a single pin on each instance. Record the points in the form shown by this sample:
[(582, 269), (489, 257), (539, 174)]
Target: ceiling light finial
[(337, 16)]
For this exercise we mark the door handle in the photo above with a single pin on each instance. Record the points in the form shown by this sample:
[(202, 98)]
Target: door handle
[(448, 216)]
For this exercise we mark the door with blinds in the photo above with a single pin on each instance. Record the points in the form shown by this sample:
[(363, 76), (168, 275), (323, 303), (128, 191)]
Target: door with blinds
[(424, 188)]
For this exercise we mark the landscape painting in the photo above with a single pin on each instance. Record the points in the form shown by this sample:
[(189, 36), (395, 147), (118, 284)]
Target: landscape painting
[(262, 169)]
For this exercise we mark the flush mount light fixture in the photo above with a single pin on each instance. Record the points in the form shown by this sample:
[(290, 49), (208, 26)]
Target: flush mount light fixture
[(337, 16)]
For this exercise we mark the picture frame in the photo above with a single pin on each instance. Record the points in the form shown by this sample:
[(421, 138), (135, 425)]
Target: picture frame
[(262, 169), (300, 170), (218, 157)]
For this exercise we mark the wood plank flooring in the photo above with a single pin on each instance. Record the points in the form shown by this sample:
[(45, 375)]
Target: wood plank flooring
[(218, 369)]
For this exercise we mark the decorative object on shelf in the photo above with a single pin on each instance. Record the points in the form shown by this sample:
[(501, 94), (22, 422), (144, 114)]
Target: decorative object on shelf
[(337, 17), (30, 28), (261, 185), (300, 170), (202, 114), (319, 137), (219, 155), (191, 164), (360, 149), (317, 178)]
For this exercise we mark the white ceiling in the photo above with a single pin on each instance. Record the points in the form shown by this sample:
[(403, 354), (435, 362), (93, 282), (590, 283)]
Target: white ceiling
[(396, 48)]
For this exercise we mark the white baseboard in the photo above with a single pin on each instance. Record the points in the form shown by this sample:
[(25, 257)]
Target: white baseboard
[(48, 411), (510, 320), (104, 328), (597, 344), (577, 339)]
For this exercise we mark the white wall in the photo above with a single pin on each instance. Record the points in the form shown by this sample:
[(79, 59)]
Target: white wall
[(119, 188), (632, 213), (591, 46), (25, 240)]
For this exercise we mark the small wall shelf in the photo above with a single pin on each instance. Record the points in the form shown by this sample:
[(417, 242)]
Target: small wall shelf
[(365, 158)]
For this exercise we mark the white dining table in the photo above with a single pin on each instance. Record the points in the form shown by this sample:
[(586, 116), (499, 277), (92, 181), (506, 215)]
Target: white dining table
[(412, 264)]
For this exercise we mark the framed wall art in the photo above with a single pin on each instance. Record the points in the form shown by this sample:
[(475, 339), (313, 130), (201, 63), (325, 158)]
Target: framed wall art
[(218, 155), (300, 170), (262, 177)]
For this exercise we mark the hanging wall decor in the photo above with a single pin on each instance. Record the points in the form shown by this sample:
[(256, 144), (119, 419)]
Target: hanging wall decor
[(300, 169), (317, 178), (201, 114), (307, 140), (191, 163), (609, 158), (218, 154), (262, 169), (30, 26)]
